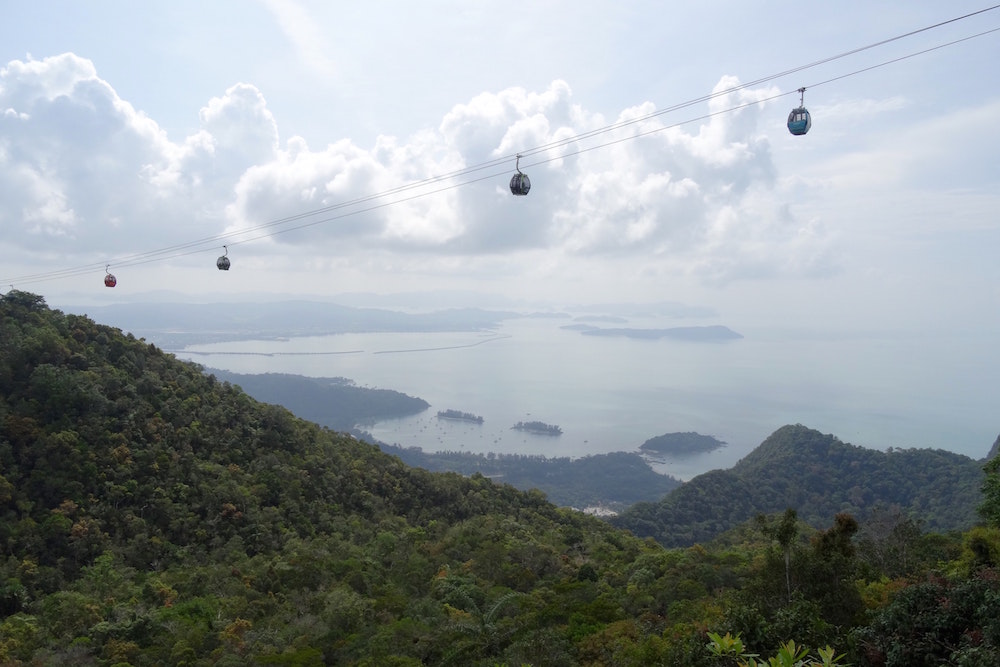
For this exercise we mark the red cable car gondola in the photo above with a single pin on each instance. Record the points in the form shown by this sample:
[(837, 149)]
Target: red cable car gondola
[(109, 280)]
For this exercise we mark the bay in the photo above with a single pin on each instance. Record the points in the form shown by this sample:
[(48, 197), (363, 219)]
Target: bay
[(613, 393)]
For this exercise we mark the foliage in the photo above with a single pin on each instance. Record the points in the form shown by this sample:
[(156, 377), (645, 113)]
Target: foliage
[(820, 476), (614, 480), (989, 509), (730, 649), (151, 514), (954, 621)]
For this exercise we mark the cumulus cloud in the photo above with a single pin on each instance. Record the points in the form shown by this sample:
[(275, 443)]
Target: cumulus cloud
[(86, 175), (84, 172)]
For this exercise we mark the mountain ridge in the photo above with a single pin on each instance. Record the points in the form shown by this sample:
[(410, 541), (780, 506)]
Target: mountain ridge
[(817, 475)]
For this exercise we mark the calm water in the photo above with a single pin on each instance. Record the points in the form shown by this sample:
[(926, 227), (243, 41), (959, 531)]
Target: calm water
[(612, 394)]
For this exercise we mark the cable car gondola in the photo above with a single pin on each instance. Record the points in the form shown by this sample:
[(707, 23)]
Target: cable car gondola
[(109, 280), (799, 120), (519, 183), (223, 262)]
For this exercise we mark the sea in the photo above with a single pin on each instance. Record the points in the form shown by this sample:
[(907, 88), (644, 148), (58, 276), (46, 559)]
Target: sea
[(611, 394)]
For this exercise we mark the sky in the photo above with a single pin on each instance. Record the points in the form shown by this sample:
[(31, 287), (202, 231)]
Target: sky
[(317, 140)]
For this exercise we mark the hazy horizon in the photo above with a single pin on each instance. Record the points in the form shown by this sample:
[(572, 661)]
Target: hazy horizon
[(367, 153)]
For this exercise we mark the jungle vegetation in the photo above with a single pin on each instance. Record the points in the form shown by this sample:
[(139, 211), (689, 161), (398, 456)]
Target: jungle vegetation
[(151, 514), (610, 481), (819, 476)]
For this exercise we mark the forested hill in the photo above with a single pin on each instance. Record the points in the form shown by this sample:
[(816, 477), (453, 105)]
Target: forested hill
[(153, 515), (818, 476), (334, 402), (150, 514)]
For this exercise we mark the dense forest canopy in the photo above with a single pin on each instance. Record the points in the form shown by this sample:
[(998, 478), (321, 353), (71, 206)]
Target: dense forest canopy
[(819, 476), (607, 481), (151, 514)]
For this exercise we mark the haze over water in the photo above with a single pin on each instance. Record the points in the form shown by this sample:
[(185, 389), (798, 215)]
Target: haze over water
[(612, 394)]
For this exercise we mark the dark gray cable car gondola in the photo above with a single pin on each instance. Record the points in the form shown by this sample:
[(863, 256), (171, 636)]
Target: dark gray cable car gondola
[(223, 262), (799, 120), (519, 183)]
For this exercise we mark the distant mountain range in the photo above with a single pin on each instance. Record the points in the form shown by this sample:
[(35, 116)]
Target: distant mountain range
[(175, 325)]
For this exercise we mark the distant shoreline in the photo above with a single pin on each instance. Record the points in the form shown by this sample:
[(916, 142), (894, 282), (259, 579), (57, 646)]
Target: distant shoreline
[(327, 353), (264, 354), (447, 347)]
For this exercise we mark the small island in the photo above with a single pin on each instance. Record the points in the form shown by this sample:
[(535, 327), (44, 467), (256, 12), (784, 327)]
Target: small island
[(460, 416), (541, 428), (682, 444), (709, 334)]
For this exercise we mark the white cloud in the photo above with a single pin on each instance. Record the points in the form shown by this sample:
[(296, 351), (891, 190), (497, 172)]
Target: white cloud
[(84, 173), (241, 126), (90, 176)]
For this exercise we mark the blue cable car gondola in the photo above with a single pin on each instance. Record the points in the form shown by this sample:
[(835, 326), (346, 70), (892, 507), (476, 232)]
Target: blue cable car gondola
[(223, 262), (799, 120), (519, 183)]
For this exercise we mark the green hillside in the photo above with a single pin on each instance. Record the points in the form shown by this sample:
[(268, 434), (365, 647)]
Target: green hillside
[(153, 515), (818, 476), (611, 481), (334, 402)]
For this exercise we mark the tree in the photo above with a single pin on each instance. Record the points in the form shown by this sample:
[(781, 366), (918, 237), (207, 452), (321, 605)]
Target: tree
[(889, 542), (831, 571), (937, 622), (784, 532), (989, 509)]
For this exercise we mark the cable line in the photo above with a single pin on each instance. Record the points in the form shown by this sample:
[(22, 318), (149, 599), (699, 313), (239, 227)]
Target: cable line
[(464, 176)]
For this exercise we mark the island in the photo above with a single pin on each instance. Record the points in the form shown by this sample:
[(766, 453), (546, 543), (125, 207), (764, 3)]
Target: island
[(541, 428), (460, 416), (709, 334), (682, 444)]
